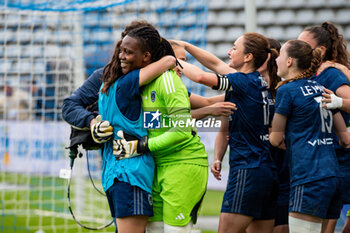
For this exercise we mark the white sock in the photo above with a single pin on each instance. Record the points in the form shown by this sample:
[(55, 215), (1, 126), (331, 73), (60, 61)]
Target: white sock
[(297, 225), (177, 229), (155, 227)]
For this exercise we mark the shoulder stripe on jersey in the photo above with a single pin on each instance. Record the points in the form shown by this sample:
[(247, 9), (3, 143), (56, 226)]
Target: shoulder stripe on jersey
[(168, 82), (172, 82), (165, 84)]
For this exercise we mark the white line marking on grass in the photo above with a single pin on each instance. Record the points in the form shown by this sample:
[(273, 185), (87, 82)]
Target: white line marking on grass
[(69, 216)]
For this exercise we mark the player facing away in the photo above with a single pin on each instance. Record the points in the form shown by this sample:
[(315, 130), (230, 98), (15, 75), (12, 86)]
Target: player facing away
[(250, 194), (181, 171), (128, 182), (306, 128), (331, 75), (279, 155)]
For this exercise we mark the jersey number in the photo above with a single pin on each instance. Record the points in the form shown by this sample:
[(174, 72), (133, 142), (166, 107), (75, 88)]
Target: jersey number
[(326, 117)]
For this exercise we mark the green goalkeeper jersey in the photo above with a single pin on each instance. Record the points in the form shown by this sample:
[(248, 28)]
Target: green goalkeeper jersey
[(171, 131)]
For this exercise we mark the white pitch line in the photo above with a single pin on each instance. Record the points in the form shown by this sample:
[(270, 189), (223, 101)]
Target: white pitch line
[(68, 216)]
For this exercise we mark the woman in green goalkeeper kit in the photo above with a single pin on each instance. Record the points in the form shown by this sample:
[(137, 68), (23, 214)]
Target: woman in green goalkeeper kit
[(181, 161)]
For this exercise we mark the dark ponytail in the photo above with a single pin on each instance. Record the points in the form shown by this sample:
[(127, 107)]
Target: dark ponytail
[(275, 47), (327, 35)]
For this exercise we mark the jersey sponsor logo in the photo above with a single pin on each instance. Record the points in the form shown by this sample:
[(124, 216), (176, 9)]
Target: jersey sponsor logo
[(264, 138), (168, 83), (151, 120), (153, 96), (180, 217), (321, 141)]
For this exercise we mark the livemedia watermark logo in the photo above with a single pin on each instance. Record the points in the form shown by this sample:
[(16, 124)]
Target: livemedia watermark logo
[(164, 121)]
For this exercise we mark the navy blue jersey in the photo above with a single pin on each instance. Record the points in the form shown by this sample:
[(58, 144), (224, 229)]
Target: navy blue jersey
[(332, 79), (281, 160), (248, 126), (308, 133), (74, 107), (128, 95)]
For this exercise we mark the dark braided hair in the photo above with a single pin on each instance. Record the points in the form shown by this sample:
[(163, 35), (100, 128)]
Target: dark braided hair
[(275, 47), (327, 35), (307, 59), (150, 41), (111, 69)]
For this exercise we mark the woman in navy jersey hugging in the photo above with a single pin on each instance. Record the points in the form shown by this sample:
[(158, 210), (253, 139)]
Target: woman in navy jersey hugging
[(306, 129), (333, 74), (250, 195)]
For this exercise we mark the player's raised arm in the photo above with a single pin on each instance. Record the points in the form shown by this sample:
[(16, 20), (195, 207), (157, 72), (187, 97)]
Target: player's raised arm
[(148, 73), (206, 58), (198, 75)]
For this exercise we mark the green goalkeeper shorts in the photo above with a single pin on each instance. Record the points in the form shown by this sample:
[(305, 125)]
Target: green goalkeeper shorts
[(177, 192), (348, 213)]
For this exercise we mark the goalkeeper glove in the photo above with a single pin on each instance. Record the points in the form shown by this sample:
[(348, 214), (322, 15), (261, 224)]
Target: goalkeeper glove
[(101, 131), (129, 146)]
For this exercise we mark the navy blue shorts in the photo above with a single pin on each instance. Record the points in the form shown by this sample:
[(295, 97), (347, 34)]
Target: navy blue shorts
[(345, 191), (125, 200), (320, 198), (281, 215), (251, 192)]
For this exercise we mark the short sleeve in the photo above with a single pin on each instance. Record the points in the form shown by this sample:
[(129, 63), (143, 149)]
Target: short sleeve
[(332, 79), (128, 95), (129, 84), (239, 82), (283, 102)]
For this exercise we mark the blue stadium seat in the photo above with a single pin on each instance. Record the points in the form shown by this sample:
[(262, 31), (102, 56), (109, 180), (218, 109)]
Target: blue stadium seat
[(25, 66), (237, 4), (217, 4), (342, 16), (13, 51), (226, 18), (285, 17), (212, 20), (338, 3), (233, 33), (276, 32), (210, 47), (296, 3), (266, 17), (275, 4), (222, 49), (305, 17), (216, 34), (292, 32), (316, 3), (324, 15), (347, 32)]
